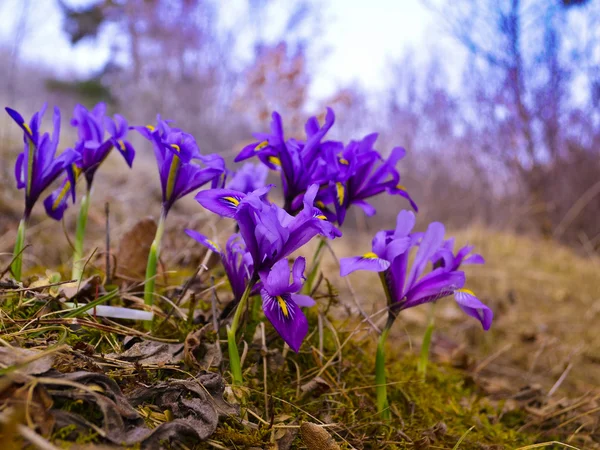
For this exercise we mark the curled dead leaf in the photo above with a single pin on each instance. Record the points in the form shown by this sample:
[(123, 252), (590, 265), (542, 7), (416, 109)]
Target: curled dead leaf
[(202, 350)]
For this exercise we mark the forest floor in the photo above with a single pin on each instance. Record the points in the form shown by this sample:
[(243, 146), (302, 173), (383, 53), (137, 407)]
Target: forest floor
[(70, 379)]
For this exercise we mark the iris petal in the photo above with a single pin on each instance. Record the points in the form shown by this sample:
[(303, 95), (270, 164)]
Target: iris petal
[(365, 262), (286, 317), (472, 306)]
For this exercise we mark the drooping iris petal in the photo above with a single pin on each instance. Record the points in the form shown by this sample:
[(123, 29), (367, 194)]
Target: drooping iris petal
[(474, 259), (369, 261), (434, 286), (286, 317), (200, 238), (303, 300), (472, 306), (223, 202)]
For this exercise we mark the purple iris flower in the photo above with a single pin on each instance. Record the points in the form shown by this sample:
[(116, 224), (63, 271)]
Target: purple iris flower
[(299, 162), (91, 127), (269, 232), (408, 285), (249, 178), (361, 173), (93, 147), (281, 303), (177, 155), (38, 166), (236, 260), (446, 258)]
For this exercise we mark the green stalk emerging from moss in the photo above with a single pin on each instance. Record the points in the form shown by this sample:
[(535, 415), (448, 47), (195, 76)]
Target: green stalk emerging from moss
[(314, 269), (380, 380), (234, 356), (153, 261), (17, 263), (78, 262)]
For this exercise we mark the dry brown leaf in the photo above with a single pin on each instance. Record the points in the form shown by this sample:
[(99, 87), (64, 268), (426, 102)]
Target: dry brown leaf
[(316, 437), (200, 352), (31, 364), (151, 352), (134, 247)]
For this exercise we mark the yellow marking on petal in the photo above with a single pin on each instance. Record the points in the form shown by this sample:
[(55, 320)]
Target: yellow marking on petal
[(275, 161), (341, 191), (261, 145), (64, 191), (214, 246), (27, 128), (283, 306), (234, 201), (176, 148), (321, 216), (150, 127), (370, 255), (122, 145), (320, 204), (401, 187), (172, 176), (466, 291), (344, 161)]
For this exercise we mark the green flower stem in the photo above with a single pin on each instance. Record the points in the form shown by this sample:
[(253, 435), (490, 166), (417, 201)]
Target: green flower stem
[(234, 356), (380, 380), (153, 261), (18, 252), (424, 359), (314, 268), (78, 262)]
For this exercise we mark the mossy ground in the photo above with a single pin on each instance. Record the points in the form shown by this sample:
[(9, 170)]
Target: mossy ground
[(475, 388)]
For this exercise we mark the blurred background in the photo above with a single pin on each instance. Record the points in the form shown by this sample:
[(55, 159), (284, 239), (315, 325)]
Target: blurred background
[(496, 101)]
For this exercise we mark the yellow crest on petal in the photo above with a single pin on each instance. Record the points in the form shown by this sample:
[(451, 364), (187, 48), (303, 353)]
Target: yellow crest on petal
[(341, 192), (283, 306), (275, 161), (370, 255), (232, 201), (466, 291), (214, 246), (261, 145)]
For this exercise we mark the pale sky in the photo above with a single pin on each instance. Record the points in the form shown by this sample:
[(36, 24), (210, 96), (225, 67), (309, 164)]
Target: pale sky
[(362, 38)]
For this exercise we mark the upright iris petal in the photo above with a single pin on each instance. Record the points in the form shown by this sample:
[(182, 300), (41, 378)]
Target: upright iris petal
[(300, 163), (249, 178)]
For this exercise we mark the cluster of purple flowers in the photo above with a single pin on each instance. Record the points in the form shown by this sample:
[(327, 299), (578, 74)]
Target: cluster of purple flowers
[(407, 285), (320, 179), (346, 174)]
